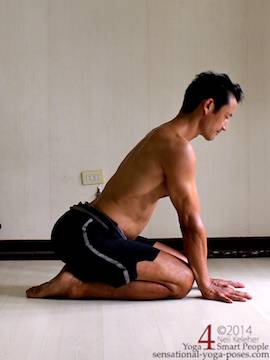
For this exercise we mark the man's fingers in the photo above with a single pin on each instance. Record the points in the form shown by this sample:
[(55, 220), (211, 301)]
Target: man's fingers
[(242, 294), (246, 295), (236, 284), (219, 296), (231, 295), (226, 291), (239, 295), (238, 298), (223, 296), (225, 299)]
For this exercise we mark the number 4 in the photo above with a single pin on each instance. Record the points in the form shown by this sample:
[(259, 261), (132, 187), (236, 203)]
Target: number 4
[(209, 340)]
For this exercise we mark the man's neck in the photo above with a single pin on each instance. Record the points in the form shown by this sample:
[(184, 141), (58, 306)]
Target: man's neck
[(187, 125)]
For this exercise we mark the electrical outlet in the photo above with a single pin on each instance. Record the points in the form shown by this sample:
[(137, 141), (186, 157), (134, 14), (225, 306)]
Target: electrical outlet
[(92, 177)]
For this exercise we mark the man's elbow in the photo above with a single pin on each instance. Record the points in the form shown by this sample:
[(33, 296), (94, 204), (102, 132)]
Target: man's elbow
[(192, 225)]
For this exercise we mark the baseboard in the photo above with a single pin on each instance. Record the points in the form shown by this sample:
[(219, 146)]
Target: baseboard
[(26, 250), (232, 247)]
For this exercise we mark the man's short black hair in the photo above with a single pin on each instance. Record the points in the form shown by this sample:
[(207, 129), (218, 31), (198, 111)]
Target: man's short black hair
[(207, 85)]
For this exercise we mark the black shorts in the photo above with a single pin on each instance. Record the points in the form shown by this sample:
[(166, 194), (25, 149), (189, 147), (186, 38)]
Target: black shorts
[(96, 249)]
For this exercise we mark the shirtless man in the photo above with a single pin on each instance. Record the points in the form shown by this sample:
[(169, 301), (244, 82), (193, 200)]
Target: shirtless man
[(99, 242)]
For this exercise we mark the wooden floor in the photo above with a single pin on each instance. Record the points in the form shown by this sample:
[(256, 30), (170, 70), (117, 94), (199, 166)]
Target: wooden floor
[(123, 330)]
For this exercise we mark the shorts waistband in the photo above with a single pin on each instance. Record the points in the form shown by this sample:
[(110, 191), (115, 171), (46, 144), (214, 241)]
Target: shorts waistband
[(99, 216), (99, 213)]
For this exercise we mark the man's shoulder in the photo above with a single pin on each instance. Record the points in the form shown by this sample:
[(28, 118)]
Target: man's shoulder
[(174, 147)]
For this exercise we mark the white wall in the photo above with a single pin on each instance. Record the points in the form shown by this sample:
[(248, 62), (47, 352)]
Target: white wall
[(81, 81)]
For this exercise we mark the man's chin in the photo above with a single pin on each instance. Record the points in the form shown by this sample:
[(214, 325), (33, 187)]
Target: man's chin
[(209, 138)]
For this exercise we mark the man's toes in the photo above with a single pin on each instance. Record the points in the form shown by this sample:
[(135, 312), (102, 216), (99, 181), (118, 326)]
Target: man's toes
[(64, 285), (31, 292), (37, 291)]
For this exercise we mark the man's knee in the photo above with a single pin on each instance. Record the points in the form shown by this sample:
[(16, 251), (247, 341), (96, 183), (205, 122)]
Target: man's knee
[(180, 290), (166, 269)]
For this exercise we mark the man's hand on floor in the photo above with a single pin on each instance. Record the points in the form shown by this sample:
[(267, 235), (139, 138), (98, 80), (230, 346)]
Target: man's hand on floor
[(225, 290)]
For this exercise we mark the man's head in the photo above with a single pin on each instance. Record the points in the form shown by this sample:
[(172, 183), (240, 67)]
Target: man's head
[(216, 98)]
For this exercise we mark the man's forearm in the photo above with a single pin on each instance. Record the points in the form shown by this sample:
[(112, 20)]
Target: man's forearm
[(195, 245)]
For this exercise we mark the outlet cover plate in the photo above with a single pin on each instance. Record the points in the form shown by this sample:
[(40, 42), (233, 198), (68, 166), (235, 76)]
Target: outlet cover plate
[(92, 177)]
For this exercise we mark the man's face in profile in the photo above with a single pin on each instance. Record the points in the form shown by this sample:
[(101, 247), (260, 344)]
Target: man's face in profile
[(215, 122)]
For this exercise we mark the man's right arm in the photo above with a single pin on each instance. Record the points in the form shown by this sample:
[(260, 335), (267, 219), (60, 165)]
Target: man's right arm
[(179, 165), (179, 169)]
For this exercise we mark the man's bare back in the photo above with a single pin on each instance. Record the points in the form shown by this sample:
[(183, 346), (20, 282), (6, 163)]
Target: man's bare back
[(132, 193), (162, 164)]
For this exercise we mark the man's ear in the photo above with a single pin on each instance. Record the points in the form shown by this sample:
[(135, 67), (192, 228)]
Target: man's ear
[(209, 106)]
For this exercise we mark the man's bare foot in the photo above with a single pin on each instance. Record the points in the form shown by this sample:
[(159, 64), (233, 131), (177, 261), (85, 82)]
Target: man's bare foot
[(63, 285)]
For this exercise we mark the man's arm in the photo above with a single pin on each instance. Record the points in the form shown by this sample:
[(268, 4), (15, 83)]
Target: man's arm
[(179, 166)]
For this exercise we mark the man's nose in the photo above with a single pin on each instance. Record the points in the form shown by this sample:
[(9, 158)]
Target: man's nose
[(225, 126)]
